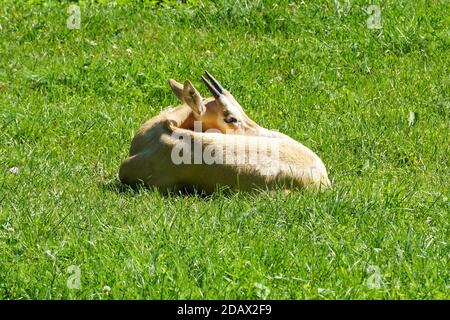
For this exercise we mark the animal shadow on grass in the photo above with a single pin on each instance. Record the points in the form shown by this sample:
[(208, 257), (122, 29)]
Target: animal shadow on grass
[(115, 185)]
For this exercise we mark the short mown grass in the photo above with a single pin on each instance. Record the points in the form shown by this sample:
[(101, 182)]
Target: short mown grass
[(372, 103)]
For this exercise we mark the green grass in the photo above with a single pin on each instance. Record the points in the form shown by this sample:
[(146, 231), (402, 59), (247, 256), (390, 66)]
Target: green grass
[(70, 101)]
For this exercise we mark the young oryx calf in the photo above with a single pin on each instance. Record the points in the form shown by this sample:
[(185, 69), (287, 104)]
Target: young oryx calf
[(210, 142)]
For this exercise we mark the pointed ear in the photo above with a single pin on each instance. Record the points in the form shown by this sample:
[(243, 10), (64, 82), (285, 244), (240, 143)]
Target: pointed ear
[(193, 98), (177, 89)]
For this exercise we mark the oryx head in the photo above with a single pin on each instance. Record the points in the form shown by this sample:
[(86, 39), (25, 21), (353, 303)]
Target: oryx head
[(221, 112)]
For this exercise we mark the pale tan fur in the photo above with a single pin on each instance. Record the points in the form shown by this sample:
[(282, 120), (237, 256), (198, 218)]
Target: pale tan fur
[(150, 161)]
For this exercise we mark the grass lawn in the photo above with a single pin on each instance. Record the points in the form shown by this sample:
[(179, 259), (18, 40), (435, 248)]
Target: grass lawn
[(373, 103)]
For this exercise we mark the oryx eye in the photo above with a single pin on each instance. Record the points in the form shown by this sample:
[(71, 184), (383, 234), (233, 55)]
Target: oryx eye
[(230, 119)]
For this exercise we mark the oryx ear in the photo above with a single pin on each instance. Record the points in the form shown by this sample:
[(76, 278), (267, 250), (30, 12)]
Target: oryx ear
[(193, 98), (177, 88)]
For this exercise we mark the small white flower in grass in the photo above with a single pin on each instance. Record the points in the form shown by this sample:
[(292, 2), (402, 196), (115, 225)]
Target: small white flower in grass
[(106, 289), (129, 51), (92, 43), (14, 170)]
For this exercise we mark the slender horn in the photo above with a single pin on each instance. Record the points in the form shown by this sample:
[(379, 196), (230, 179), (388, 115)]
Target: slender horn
[(211, 88), (216, 83)]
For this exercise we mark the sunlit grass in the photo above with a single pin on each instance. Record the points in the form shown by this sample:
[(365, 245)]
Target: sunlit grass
[(70, 101)]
